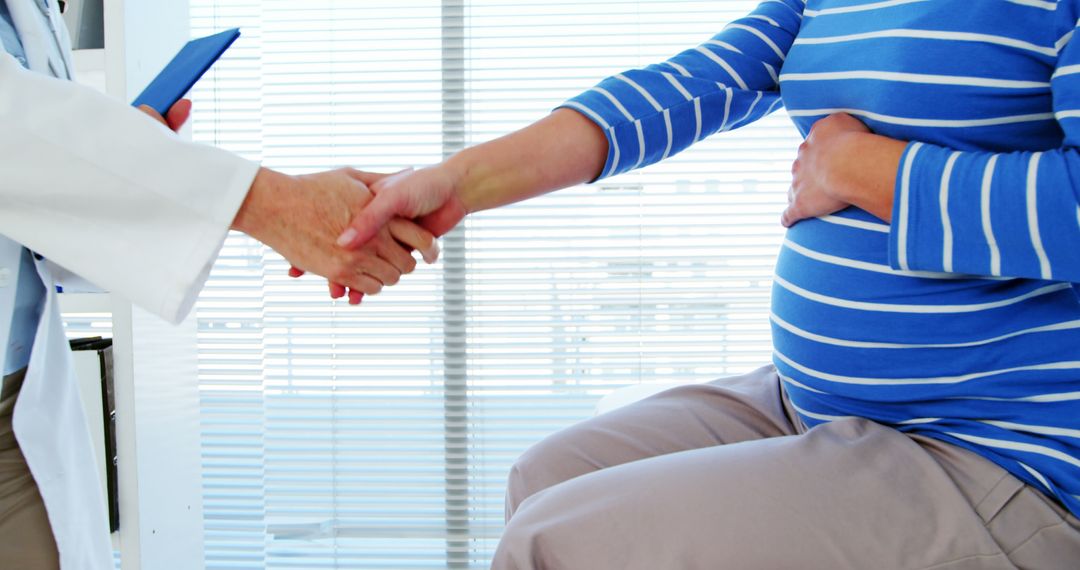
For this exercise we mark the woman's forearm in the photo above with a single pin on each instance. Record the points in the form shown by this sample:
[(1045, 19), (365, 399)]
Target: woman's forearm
[(864, 170), (560, 150)]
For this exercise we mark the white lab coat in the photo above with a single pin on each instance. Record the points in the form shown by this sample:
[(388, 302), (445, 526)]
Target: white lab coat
[(103, 191)]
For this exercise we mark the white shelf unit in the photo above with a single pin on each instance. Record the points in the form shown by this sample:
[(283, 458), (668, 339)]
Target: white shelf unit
[(155, 364)]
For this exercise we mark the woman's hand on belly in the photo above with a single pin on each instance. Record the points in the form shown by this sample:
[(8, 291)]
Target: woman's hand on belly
[(840, 164)]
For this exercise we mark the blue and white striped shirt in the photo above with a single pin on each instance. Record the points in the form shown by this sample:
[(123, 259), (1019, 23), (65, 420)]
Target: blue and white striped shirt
[(961, 320)]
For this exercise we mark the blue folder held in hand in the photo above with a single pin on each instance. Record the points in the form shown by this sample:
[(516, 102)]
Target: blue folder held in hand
[(178, 77)]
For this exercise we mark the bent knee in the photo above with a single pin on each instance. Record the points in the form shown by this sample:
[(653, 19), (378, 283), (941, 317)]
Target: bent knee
[(535, 540), (535, 470), (558, 458)]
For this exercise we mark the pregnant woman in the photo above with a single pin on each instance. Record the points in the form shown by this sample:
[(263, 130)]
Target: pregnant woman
[(923, 405)]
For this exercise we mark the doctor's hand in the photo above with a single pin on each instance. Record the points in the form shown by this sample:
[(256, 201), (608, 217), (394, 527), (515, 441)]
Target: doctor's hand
[(426, 196), (176, 117), (301, 218)]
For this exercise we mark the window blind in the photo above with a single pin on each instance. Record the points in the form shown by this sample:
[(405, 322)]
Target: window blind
[(380, 437)]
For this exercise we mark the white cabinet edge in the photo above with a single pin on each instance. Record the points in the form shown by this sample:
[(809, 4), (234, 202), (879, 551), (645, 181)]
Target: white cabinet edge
[(90, 67), (84, 303)]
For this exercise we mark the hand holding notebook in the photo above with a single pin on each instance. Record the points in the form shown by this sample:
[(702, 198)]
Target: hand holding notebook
[(178, 77)]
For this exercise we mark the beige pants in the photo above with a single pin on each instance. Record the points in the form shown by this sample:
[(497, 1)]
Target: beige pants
[(722, 476), (26, 540)]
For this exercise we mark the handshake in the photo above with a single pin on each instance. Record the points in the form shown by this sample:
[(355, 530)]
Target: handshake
[(355, 228)]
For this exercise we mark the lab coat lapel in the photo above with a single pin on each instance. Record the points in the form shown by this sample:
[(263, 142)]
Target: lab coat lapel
[(50, 424), (42, 36)]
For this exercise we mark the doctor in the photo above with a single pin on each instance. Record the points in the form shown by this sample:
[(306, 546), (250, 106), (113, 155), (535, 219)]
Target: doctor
[(90, 185)]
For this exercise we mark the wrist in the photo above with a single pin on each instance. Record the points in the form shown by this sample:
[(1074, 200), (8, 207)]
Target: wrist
[(865, 166), (262, 204), (841, 183), (460, 174)]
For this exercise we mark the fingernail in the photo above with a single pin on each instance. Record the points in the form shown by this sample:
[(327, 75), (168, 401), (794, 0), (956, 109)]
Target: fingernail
[(346, 237), (431, 255)]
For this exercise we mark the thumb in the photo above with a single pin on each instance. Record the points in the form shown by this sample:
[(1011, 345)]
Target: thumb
[(788, 218), (369, 221), (153, 114)]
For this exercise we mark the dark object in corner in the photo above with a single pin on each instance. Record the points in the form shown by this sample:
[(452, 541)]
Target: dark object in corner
[(103, 347)]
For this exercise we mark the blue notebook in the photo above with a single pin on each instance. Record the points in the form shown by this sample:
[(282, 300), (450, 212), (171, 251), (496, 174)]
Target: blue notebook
[(193, 60)]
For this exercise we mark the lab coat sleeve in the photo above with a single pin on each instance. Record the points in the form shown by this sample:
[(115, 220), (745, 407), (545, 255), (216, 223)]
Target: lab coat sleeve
[(104, 191)]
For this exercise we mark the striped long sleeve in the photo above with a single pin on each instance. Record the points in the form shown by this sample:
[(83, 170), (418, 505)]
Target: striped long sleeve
[(1014, 214), (731, 80)]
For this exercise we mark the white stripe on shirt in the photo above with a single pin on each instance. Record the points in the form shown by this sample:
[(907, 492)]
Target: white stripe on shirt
[(863, 8), (931, 35), (861, 224), (1033, 215), (768, 41), (670, 134), (833, 341), (644, 93), (1044, 4), (1042, 430), (922, 78), (1019, 446), (724, 45), (946, 221), (865, 381), (678, 86), (725, 65), (615, 101), (916, 122), (902, 214), (867, 266), (987, 224), (917, 309)]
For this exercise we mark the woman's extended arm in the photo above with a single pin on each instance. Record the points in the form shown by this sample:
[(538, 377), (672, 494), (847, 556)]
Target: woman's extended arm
[(561, 150), (628, 121)]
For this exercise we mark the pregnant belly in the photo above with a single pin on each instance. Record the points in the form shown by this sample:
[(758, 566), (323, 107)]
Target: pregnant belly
[(845, 323)]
